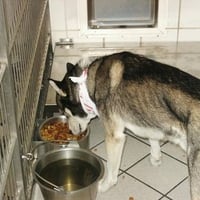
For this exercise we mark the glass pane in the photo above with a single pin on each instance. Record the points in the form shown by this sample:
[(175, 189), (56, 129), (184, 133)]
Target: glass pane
[(104, 13)]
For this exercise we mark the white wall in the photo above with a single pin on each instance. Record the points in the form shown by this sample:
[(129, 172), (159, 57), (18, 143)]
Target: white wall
[(182, 23)]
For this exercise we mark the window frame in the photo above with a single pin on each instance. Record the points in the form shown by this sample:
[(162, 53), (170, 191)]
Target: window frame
[(159, 29)]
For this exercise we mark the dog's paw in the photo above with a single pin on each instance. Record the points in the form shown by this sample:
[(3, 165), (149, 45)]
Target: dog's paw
[(105, 185), (155, 162)]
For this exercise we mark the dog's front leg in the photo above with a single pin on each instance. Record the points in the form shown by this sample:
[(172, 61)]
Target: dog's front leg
[(114, 147)]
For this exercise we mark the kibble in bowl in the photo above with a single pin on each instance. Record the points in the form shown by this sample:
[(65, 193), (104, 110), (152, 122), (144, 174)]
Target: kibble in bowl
[(56, 129)]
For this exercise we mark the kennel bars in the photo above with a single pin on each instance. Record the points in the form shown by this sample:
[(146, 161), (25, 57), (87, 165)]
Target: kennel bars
[(25, 62)]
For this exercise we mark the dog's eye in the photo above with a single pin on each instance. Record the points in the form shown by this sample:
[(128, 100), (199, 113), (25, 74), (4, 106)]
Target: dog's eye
[(67, 113)]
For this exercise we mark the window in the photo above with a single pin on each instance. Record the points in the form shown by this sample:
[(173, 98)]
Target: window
[(102, 18), (124, 14)]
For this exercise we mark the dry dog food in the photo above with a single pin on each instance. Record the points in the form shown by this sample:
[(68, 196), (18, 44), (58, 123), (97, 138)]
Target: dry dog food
[(58, 131)]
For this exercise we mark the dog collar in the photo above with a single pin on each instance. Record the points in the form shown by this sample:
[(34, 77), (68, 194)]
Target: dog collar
[(87, 104)]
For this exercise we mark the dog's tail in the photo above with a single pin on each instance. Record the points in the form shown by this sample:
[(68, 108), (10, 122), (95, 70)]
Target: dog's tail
[(194, 155)]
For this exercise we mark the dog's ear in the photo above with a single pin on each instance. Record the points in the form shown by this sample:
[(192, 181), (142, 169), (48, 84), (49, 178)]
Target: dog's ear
[(57, 85), (73, 70), (69, 67)]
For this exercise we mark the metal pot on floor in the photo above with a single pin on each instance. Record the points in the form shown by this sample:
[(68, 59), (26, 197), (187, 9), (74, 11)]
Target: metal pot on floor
[(68, 174)]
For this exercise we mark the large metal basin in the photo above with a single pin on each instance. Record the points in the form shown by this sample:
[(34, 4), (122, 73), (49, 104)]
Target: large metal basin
[(75, 171)]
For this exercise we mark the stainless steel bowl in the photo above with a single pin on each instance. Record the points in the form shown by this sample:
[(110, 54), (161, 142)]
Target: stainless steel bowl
[(83, 142), (75, 171)]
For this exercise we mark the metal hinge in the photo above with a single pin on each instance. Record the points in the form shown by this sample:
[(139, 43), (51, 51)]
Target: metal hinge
[(65, 41)]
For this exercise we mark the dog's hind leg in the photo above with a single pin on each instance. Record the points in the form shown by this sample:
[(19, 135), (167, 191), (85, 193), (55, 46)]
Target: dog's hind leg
[(155, 152), (194, 159), (115, 140)]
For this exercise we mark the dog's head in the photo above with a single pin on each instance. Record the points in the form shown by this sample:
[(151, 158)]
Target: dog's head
[(67, 99)]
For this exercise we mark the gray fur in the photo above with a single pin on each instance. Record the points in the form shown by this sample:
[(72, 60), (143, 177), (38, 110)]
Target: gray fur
[(154, 100)]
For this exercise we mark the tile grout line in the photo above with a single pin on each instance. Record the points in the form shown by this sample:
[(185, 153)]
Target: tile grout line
[(164, 196), (174, 158), (93, 147), (138, 139), (176, 186), (135, 163), (125, 172), (133, 136)]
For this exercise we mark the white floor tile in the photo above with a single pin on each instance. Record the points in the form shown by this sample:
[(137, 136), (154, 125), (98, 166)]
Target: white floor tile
[(175, 151), (133, 152), (182, 192), (129, 187), (162, 178)]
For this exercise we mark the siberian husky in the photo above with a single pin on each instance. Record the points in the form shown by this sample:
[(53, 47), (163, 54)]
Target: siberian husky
[(126, 90)]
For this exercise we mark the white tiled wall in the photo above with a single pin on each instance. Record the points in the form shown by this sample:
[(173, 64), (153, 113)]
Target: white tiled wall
[(182, 23)]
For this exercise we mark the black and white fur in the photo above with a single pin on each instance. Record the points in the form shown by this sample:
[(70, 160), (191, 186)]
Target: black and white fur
[(153, 100)]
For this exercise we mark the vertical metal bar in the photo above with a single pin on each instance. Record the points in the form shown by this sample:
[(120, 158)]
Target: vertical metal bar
[(26, 32)]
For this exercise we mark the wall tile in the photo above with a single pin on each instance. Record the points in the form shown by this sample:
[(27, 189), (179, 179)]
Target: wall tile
[(189, 35), (173, 13), (190, 13), (71, 16), (57, 13), (169, 36), (64, 23), (123, 38), (78, 38)]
